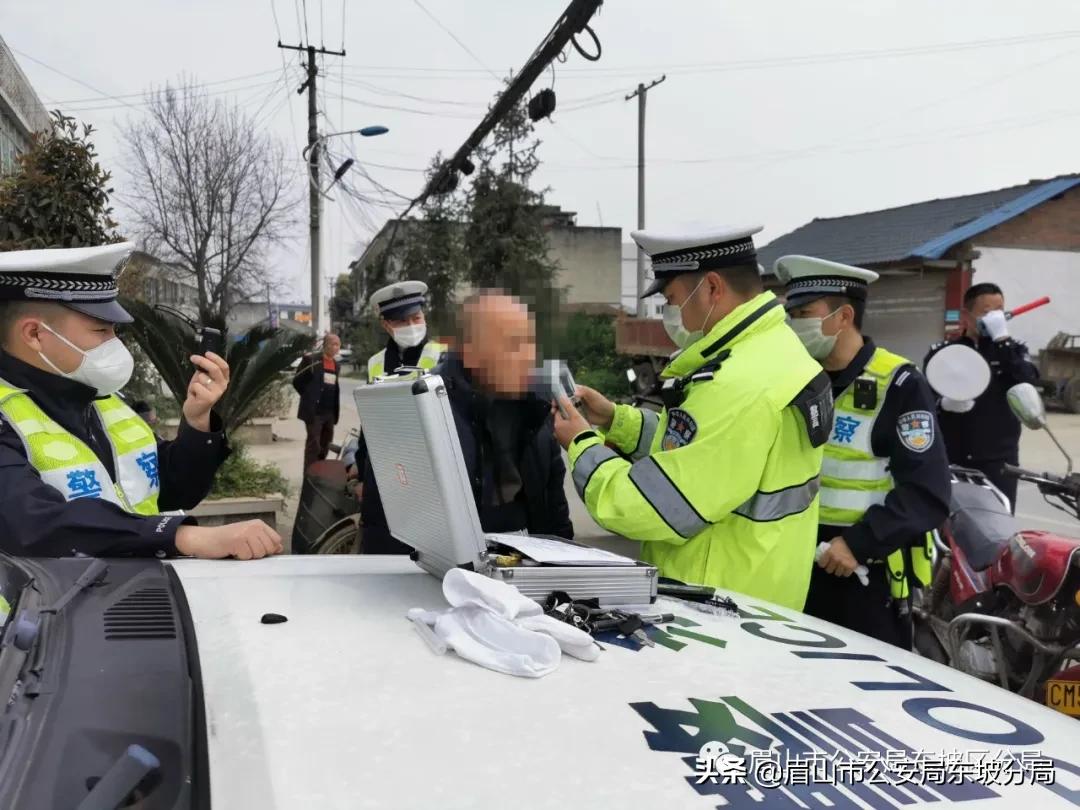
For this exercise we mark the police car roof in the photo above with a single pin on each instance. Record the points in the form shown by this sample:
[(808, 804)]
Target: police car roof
[(344, 705)]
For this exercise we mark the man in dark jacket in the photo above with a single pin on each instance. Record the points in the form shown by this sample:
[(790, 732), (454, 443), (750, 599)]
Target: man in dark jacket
[(320, 398), (511, 456), (983, 433)]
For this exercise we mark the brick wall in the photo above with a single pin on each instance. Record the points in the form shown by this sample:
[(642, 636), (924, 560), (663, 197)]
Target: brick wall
[(1054, 225)]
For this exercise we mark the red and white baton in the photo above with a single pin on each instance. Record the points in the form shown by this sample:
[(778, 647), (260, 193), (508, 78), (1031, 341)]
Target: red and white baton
[(1020, 310)]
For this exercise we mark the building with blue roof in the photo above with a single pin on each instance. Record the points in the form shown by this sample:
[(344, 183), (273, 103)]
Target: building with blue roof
[(1025, 238)]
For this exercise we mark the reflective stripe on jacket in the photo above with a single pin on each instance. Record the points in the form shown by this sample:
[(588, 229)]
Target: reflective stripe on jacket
[(67, 464)]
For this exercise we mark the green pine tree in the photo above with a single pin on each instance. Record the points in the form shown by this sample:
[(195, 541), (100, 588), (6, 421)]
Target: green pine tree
[(505, 240)]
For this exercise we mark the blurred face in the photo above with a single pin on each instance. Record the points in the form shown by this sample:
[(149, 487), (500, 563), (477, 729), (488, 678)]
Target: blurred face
[(331, 345), (979, 307), (32, 336), (500, 345)]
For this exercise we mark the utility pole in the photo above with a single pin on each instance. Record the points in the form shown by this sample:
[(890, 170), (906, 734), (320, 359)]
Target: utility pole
[(640, 93), (314, 198)]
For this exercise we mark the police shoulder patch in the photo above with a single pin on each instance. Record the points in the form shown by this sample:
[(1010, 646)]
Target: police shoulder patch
[(680, 431), (916, 430)]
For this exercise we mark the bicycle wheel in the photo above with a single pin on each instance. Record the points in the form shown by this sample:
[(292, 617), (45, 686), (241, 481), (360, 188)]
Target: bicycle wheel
[(344, 537)]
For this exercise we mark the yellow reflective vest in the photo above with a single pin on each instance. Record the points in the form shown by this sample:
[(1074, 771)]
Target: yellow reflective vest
[(66, 463), (723, 487), (853, 479), (429, 358)]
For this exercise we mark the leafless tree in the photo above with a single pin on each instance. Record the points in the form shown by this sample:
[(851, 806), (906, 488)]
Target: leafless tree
[(209, 189)]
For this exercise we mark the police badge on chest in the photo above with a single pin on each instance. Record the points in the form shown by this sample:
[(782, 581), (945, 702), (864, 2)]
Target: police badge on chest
[(681, 429)]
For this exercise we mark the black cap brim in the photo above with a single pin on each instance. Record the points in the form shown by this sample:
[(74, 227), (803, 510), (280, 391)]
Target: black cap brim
[(400, 313), (793, 301), (108, 311), (657, 286)]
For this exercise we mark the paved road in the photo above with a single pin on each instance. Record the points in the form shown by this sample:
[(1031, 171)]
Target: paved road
[(1037, 452)]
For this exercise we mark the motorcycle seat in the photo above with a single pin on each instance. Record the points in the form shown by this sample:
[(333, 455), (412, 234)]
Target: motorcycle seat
[(981, 525)]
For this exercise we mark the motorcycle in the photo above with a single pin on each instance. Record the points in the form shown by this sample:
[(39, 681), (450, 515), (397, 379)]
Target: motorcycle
[(1004, 602)]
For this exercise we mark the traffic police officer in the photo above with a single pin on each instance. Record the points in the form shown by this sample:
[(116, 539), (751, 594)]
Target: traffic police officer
[(885, 478), (984, 433), (80, 471), (722, 485), (401, 307)]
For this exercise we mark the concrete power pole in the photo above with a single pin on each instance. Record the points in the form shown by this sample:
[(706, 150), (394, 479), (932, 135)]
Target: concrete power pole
[(314, 197), (640, 93)]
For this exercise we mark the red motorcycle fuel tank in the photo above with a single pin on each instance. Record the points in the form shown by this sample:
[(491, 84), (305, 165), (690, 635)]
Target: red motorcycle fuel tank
[(1034, 565)]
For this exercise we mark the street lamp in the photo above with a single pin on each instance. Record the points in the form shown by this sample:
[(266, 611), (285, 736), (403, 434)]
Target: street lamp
[(311, 155), (367, 132)]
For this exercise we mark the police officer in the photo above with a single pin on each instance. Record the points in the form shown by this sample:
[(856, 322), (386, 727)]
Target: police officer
[(722, 484), (80, 471), (401, 307), (885, 478), (984, 433)]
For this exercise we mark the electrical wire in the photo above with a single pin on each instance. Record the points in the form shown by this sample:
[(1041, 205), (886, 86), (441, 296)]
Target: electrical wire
[(94, 99), (403, 71), (456, 39), (307, 36), (299, 26), (277, 25), (59, 72), (148, 98), (410, 110)]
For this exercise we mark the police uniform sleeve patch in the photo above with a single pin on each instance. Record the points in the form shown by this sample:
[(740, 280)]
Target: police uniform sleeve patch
[(916, 430), (681, 429)]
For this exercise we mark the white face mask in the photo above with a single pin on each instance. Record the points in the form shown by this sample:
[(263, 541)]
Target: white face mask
[(673, 322), (808, 330), (408, 336), (105, 368)]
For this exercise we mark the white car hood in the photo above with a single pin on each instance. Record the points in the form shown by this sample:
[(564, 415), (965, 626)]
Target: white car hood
[(344, 706)]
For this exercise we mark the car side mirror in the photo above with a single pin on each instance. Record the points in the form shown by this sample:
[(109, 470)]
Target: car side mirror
[(1026, 402)]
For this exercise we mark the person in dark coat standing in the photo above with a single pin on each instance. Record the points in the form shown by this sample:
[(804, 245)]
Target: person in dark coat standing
[(317, 383), (983, 433), (507, 438)]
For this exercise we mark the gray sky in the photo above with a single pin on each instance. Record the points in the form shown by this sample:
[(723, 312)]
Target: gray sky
[(898, 101)]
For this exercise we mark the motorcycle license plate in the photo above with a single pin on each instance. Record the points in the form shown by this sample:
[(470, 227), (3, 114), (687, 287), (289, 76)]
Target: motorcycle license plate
[(1064, 696)]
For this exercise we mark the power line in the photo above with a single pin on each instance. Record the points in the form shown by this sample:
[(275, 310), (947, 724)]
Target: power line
[(454, 37), (307, 36), (402, 71), (72, 78), (299, 25), (277, 25), (410, 110), (90, 99), (148, 98)]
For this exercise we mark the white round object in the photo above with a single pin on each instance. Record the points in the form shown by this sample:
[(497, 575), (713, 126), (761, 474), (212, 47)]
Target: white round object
[(958, 372)]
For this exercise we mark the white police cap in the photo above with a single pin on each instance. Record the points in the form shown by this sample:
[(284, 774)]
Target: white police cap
[(807, 279), (675, 254), (400, 299), (82, 279)]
